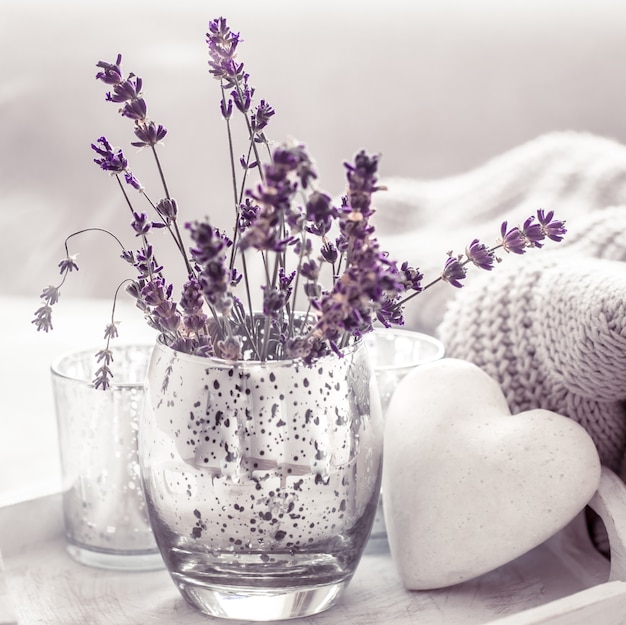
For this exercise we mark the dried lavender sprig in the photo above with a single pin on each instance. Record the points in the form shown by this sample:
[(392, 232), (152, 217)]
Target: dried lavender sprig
[(104, 374), (278, 224), (369, 278), (222, 46), (128, 91), (515, 240), (51, 294)]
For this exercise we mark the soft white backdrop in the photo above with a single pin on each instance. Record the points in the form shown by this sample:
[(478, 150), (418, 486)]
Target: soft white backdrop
[(436, 87)]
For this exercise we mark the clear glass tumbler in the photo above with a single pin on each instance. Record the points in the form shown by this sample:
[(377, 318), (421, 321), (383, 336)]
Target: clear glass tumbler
[(262, 478), (393, 353), (106, 521)]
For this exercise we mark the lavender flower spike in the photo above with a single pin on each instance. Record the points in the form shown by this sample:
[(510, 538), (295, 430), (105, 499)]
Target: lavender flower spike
[(148, 134), (512, 240), (317, 256), (553, 229), (111, 159), (454, 272), (112, 73), (480, 255)]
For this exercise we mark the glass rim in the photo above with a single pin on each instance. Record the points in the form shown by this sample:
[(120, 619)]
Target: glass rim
[(439, 353), (56, 365), (223, 363)]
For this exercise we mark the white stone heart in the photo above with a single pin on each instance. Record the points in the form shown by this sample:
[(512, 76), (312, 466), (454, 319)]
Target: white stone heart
[(467, 486)]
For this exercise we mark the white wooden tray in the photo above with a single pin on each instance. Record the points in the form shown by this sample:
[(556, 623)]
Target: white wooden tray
[(565, 581)]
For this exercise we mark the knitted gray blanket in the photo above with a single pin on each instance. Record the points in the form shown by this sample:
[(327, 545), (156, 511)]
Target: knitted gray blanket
[(550, 326)]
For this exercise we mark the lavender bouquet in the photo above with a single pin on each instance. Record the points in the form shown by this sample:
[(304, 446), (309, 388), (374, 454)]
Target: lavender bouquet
[(326, 280)]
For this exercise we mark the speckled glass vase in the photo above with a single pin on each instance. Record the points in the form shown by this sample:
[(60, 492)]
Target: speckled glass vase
[(262, 479)]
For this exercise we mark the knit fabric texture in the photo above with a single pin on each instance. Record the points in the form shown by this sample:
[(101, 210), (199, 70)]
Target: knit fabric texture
[(574, 174), (548, 326), (552, 331)]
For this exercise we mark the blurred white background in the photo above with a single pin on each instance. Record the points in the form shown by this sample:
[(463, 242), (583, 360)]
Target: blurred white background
[(437, 88)]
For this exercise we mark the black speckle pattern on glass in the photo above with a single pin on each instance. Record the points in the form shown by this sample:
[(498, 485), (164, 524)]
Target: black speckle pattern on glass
[(262, 458)]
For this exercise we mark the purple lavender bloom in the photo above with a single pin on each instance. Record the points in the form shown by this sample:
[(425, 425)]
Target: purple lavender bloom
[(204, 346), (246, 164), (68, 264), (275, 194), (285, 280), (154, 292), (128, 256), (480, 255), (110, 331), (135, 109), (312, 290), (454, 272), (43, 318), (319, 207), (368, 282), (148, 134), (132, 181), (167, 316), (214, 276), (342, 243), (134, 290), (248, 212), (50, 295), (533, 233), (553, 229), (298, 346), (146, 263), (230, 348), (235, 276), (167, 209), (390, 313), (305, 170), (209, 241), (112, 73), (222, 41), (228, 71), (103, 378), (105, 356), (111, 159), (223, 44), (125, 90), (512, 240), (273, 300), (140, 224), (226, 108), (412, 277), (104, 373), (191, 300), (264, 235), (310, 270), (191, 303), (362, 182), (329, 252), (261, 116), (242, 95)]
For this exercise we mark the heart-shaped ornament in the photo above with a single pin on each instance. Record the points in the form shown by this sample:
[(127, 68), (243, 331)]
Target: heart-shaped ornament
[(467, 486)]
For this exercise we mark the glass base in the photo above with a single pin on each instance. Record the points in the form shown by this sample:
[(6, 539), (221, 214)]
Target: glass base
[(120, 561), (254, 604)]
